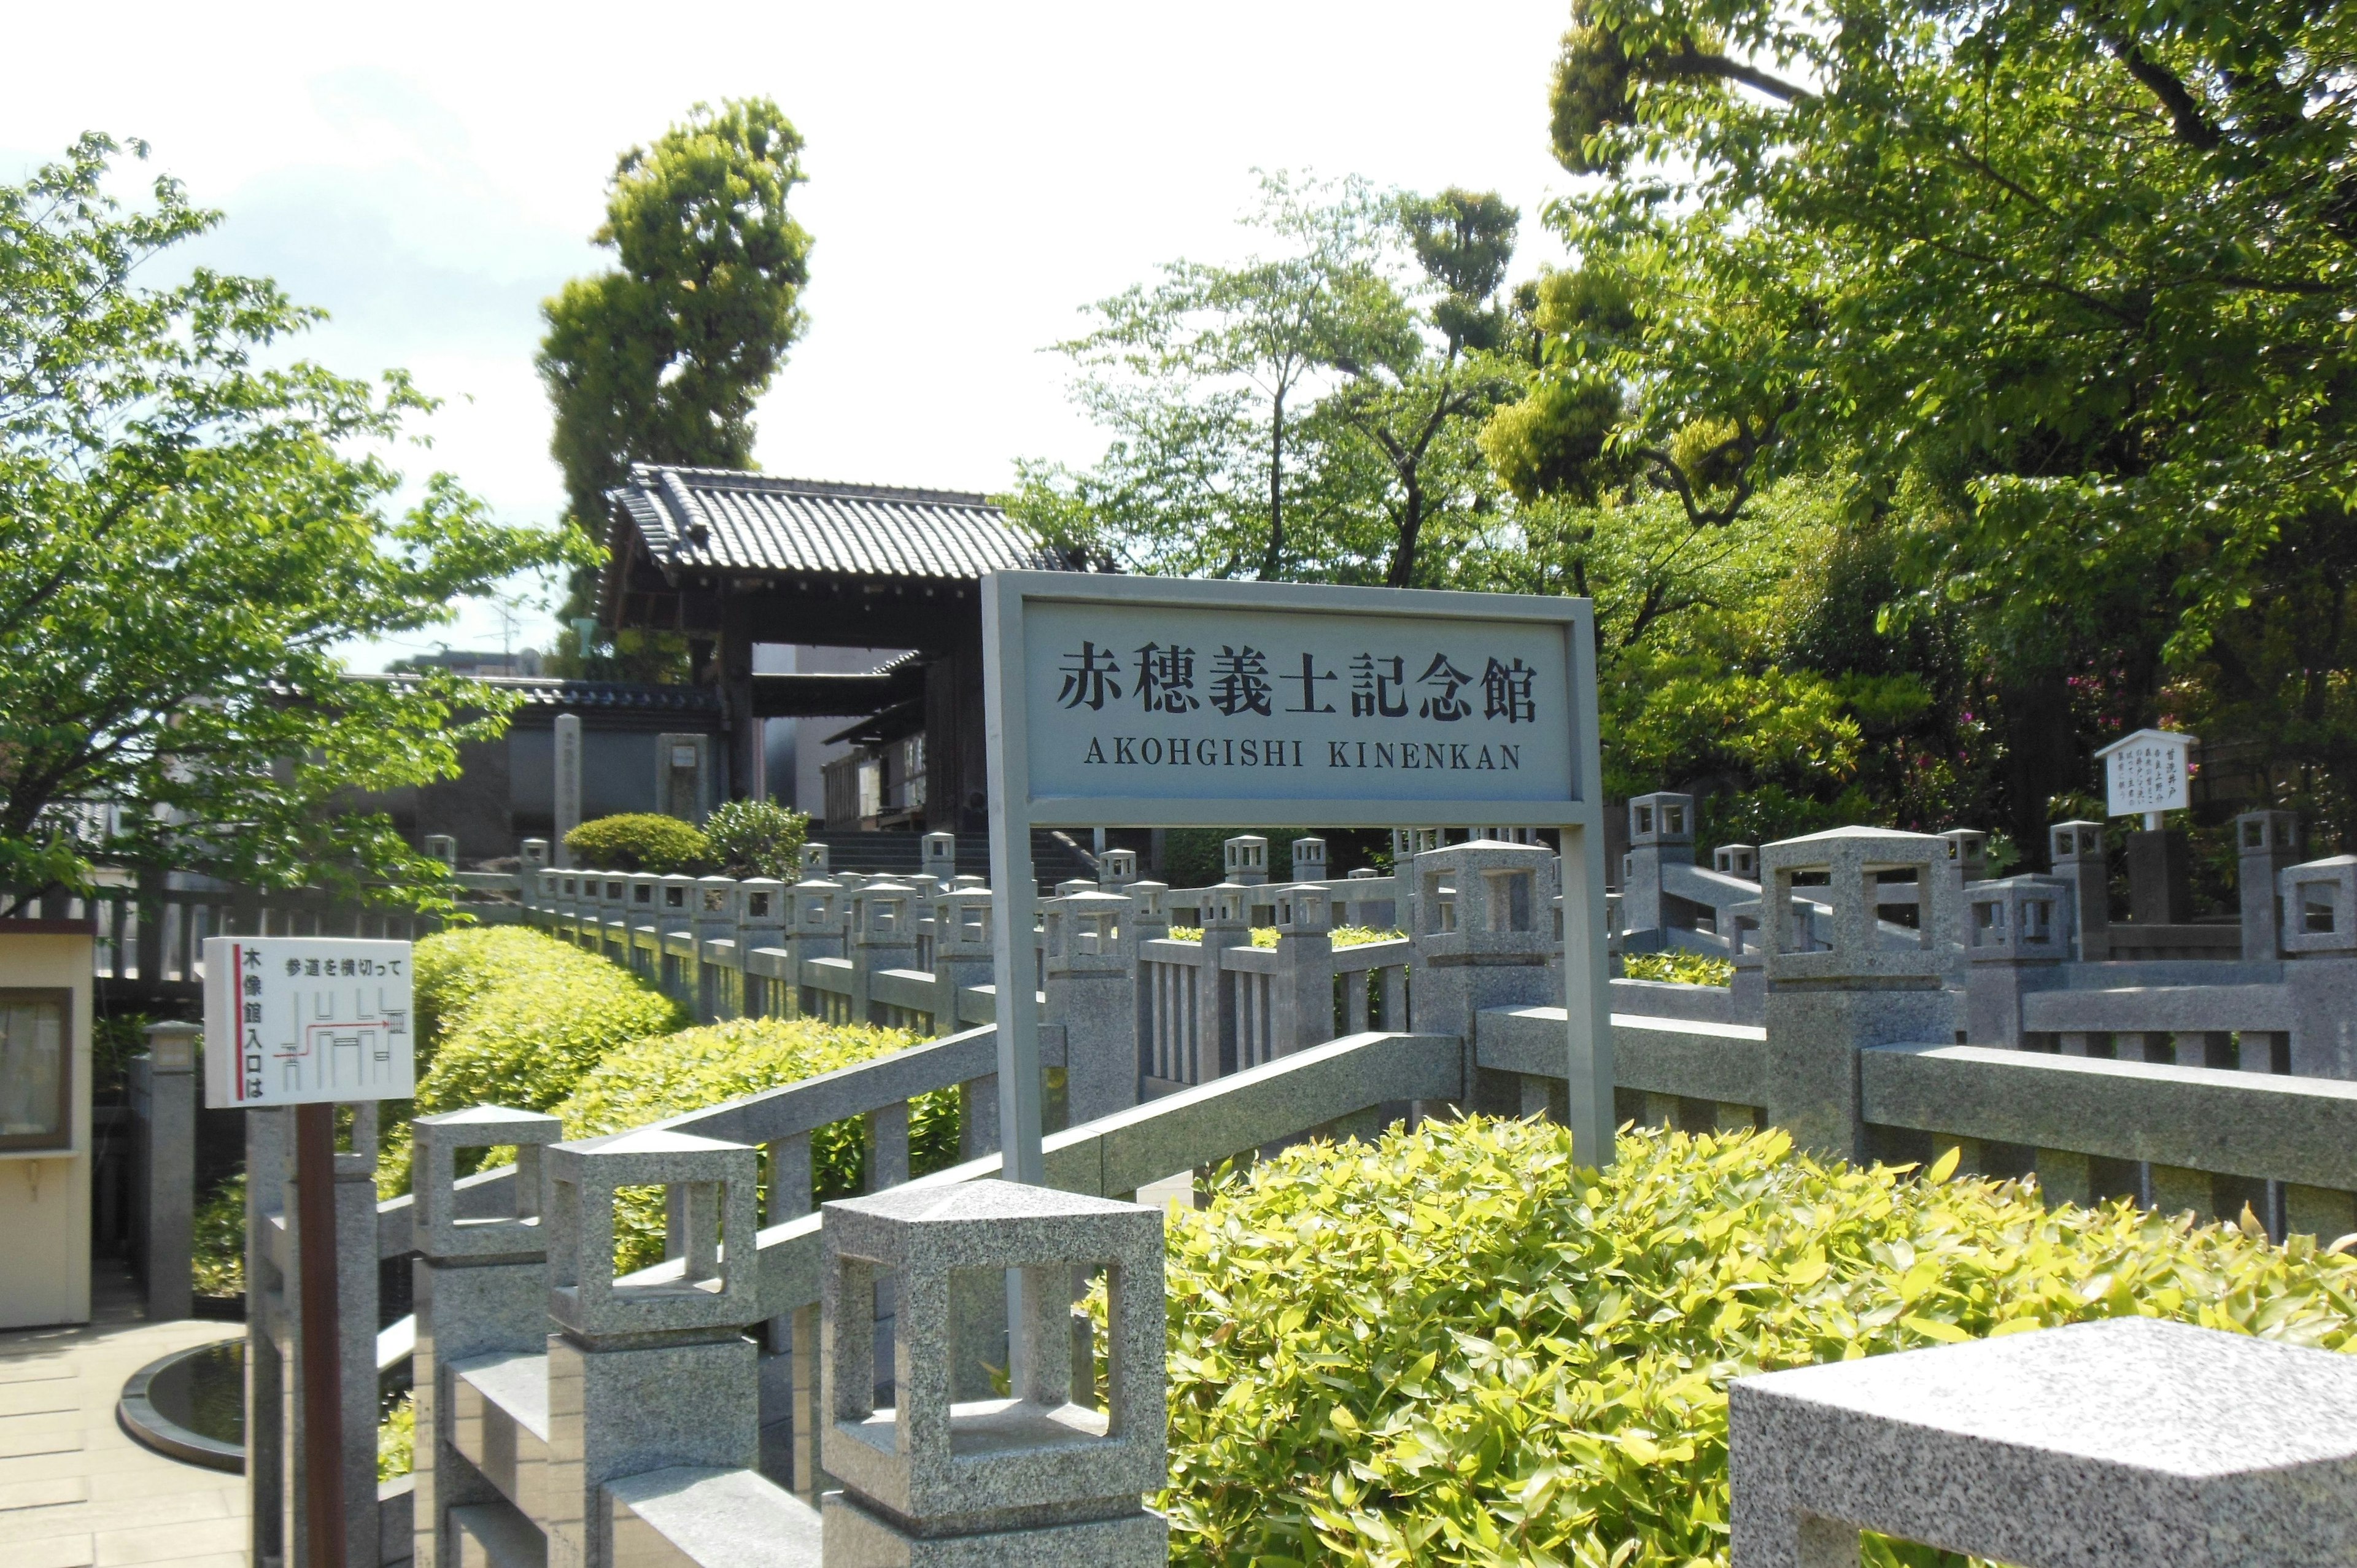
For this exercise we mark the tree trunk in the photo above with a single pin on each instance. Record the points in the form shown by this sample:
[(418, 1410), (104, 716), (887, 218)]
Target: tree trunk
[(1273, 562)]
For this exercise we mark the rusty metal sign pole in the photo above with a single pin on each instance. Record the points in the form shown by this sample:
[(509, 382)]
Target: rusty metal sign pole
[(322, 1369)]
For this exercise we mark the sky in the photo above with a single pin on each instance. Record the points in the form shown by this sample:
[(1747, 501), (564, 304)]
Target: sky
[(429, 173)]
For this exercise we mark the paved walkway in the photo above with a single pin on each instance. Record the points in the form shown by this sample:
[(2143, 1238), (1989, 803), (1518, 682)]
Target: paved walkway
[(75, 1490)]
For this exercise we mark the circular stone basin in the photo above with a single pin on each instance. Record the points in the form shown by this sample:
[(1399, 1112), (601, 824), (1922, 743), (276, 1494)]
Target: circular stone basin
[(191, 1405)]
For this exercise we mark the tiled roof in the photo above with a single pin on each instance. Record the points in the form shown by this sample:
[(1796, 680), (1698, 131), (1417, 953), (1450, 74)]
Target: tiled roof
[(725, 520)]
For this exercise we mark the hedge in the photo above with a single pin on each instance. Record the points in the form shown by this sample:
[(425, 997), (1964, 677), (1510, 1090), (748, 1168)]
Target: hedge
[(511, 1016), (1266, 935), (1680, 968), (641, 840), (1456, 1346), (651, 1078)]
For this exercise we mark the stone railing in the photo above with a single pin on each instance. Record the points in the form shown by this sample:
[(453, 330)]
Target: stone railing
[(1857, 1054)]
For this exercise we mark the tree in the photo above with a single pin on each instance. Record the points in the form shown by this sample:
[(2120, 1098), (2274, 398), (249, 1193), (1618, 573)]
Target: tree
[(1305, 414), (661, 360), (188, 535), (2058, 292)]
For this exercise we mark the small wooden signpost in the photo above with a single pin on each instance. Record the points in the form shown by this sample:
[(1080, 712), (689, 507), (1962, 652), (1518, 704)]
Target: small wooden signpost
[(311, 1022)]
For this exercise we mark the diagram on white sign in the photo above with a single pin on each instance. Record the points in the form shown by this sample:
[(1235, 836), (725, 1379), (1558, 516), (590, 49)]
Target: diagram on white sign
[(307, 1019)]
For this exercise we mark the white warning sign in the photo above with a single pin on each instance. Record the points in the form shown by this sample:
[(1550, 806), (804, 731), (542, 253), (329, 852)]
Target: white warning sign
[(306, 1019)]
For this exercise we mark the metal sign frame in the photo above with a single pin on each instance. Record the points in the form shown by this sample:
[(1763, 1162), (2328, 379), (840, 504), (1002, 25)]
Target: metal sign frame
[(1015, 810)]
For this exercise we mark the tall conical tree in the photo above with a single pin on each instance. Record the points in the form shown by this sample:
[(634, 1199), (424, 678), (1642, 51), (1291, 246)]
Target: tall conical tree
[(660, 360)]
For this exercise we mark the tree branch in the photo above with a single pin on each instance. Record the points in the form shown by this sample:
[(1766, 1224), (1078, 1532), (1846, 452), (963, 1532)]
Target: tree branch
[(2185, 119)]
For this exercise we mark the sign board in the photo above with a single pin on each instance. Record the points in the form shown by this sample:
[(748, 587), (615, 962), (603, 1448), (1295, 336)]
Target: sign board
[(1152, 702), (2146, 773), (1229, 711), (307, 1020)]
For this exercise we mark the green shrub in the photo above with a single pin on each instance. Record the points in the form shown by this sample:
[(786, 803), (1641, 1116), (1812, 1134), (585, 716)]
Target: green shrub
[(518, 1017), (1266, 935), (641, 840), (651, 1079), (396, 1441), (754, 838), (1679, 968), (218, 1242), (1457, 1347)]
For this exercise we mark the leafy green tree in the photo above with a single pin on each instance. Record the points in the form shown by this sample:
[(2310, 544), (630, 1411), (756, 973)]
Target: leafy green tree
[(661, 360), (1306, 414), (191, 527), (2060, 292)]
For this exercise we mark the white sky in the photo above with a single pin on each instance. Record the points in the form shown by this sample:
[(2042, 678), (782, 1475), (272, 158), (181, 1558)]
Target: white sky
[(429, 173)]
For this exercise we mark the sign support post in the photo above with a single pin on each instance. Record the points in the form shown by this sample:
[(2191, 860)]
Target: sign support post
[(308, 1023), (323, 1365)]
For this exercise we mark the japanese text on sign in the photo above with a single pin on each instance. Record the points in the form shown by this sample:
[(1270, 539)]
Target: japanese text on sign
[(2147, 773), (299, 1020), (1145, 701)]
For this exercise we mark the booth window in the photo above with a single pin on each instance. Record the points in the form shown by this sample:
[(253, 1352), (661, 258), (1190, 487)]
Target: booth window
[(36, 1070)]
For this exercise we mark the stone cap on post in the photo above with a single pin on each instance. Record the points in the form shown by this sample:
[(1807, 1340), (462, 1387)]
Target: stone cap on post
[(2128, 1439), (817, 908), (172, 1046), (1737, 860), (815, 858), (1116, 869), (1071, 884), (1664, 818), (532, 854), (1852, 861), (962, 924), (1309, 860), (677, 892), (715, 906), (761, 904), (2320, 905), (1228, 909), (2266, 832), (1089, 933), (434, 1181), (1484, 902), (2019, 920), (1245, 859), (934, 1467), (720, 1285), (885, 914), (2075, 842), (1967, 852), (1304, 911), (937, 858), (646, 896)]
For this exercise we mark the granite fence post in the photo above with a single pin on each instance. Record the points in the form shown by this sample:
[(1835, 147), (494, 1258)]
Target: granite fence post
[(1227, 923), (1483, 939), (1091, 991), (480, 1289), (761, 927), (644, 1377), (883, 936), (2266, 843), (167, 1170), (2017, 936), (1661, 831), (1864, 987), (1038, 1477), (819, 912), (2077, 857), (715, 986), (937, 862), (1303, 986)]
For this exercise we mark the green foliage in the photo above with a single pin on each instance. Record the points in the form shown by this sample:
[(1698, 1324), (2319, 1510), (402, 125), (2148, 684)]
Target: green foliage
[(1679, 968), (517, 1017), (218, 1243), (651, 1078), (2057, 295), (396, 1440), (755, 838), (1459, 1346), (641, 840), (114, 1039), (194, 526), (662, 359), (1308, 413), (1266, 935)]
